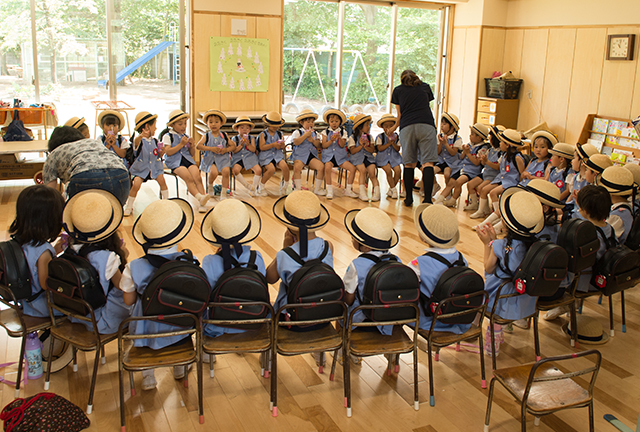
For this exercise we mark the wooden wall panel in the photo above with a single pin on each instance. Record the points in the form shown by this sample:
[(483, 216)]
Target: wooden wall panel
[(457, 70), (513, 51), (534, 56), (271, 28), (588, 59), (470, 78), (618, 79), (491, 57), (238, 101), (202, 98), (557, 79)]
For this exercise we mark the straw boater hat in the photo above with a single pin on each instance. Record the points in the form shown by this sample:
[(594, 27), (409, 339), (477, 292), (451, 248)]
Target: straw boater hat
[(598, 163), (481, 129), (635, 170), (305, 114), (243, 120), (521, 211), (92, 215), (548, 135), (301, 210), (273, 118), (563, 150), (590, 330), (214, 112), (371, 227), (143, 118), (75, 122), (360, 119), (453, 119), (545, 191), (163, 223), (114, 113), (386, 118), (334, 111), (176, 115), (617, 181), (436, 225), (585, 151), (510, 137), (495, 130)]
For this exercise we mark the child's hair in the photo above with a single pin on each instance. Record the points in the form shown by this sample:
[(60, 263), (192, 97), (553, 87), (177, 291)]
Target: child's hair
[(495, 142), (109, 119), (38, 215), (511, 154), (455, 135), (357, 132), (143, 125), (63, 135), (544, 140), (83, 127), (112, 243), (595, 201), (333, 115)]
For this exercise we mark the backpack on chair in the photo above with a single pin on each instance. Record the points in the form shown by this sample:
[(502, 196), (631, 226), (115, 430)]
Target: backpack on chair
[(618, 269), (14, 270), (542, 270), (579, 238), (389, 282)]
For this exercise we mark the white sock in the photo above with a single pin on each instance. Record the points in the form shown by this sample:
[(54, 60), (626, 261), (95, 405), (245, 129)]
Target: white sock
[(164, 194), (256, 181), (330, 189), (148, 372), (362, 191), (318, 185), (348, 188), (298, 183)]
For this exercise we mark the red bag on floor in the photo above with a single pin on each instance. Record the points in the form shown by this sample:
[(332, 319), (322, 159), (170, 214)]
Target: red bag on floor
[(44, 412)]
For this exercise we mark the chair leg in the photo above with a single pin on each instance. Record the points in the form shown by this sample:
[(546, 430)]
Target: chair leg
[(624, 315), (493, 344), (274, 383), (523, 419), (591, 425), (346, 370), (487, 416), (93, 380), (132, 385), (416, 399), (211, 365), (333, 365), (483, 383), (103, 358), (75, 359), (574, 325), (536, 335), (49, 360), (21, 365), (200, 386), (121, 387), (432, 400), (611, 330)]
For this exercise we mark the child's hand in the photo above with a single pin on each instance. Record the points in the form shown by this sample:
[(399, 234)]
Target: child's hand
[(281, 144), (486, 233), (289, 239), (61, 244), (442, 139), (184, 141), (190, 142)]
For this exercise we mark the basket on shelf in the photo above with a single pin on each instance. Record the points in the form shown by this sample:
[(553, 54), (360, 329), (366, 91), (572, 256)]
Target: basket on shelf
[(502, 89)]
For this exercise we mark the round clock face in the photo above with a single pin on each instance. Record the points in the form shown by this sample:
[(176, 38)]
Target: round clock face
[(619, 47)]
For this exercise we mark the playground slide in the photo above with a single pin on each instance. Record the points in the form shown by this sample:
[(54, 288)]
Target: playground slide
[(139, 62)]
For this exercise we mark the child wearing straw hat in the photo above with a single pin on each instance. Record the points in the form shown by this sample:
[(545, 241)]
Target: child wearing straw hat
[(271, 156), (229, 226), (449, 146), (111, 122), (334, 151), (216, 146), (523, 218), (619, 183), (305, 151), (635, 170), (91, 218), (180, 150), (388, 155), (158, 230), (576, 178), (244, 155), (491, 162), (560, 163), (362, 156), (148, 163), (78, 123), (542, 142)]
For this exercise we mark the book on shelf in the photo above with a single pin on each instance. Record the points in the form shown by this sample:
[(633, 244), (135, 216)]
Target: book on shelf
[(615, 128), (629, 138), (600, 125), (597, 143), (596, 137)]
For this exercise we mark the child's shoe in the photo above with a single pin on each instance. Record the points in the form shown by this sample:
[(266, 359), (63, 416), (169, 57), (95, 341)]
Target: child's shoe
[(375, 196), (202, 209), (330, 194), (389, 193), (262, 191), (320, 192), (348, 192), (148, 380), (472, 203), (487, 341), (394, 193), (179, 371), (283, 187), (521, 323), (439, 200), (127, 210), (556, 312), (450, 202), (319, 357)]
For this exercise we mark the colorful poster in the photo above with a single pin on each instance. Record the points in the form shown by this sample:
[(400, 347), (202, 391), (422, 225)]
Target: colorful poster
[(239, 64)]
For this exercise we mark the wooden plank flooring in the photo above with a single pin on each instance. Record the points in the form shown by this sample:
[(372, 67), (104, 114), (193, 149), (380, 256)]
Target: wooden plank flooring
[(237, 398)]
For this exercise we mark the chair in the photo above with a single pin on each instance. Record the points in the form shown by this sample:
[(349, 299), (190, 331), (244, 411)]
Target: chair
[(76, 334), (258, 340), (580, 295), (440, 339), (542, 388), (368, 343), (136, 359), (289, 343), (169, 172)]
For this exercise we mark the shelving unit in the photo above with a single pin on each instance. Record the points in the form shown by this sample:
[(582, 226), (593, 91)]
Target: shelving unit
[(587, 130)]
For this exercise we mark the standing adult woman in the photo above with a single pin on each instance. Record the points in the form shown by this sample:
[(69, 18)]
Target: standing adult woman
[(417, 132)]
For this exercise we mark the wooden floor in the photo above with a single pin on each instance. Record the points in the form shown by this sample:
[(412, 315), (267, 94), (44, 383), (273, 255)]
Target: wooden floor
[(238, 398)]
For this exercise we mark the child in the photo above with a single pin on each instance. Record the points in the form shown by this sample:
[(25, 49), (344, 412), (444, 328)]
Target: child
[(271, 155), (449, 145), (578, 180), (635, 170), (438, 228), (541, 144), (471, 166), (302, 214), (244, 156), (561, 156), (158, 230), (549, 196), (334, 152), (362, 149), (38, 221), (148, 163), (305, 151), (91, 218), (78, 123), (620, 185), (111, 122), (388, 155), (522, 216), (216, 146), (491, 162)]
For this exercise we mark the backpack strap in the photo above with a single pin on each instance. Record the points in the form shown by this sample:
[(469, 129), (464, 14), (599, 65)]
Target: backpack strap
[(297, 258), (457, 263), (611, 241), (376, 259)]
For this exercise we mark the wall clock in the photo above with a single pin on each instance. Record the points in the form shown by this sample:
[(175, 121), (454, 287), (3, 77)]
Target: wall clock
[(621, 47)]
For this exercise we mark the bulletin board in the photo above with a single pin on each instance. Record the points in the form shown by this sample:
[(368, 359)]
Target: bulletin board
[(239, 64)]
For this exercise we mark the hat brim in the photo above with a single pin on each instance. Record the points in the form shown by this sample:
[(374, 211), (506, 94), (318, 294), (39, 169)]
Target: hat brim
[(243, 122), (216, 113), (145, 120), (507, 141), (425, 238), (303, 116), (178, 118), (186, 210), (452, 121), (560, 153), (76, 123), (546, 134), (348, 220), (507, 219), (327, 113), (268, 122), (604, 339), (543, 197), (113, 225), (479, 132), (209, 235), (384, 119), (112, 112), (278, 212), (361, 121)]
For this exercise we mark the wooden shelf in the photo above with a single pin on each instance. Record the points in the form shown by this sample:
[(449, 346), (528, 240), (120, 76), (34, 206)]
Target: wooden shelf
[(613, 135), (587, 130)]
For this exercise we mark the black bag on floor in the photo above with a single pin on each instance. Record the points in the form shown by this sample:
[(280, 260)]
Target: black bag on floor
[(543, 268), (14, 270), (633, 239), (618, 269), (16, 130), (579, 238)]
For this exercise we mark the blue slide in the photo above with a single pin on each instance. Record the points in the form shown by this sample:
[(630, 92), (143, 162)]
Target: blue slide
[(139, 62)]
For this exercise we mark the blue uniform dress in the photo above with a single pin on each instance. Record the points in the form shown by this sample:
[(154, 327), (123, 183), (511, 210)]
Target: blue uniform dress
[(273, 154), (389, 156), (141, 272), (453, 161), (584, 284), (213, 266), (536, 168), (493, 155), (557, 177), (122, 143), (38, 307), (354, 280), (512, 308), (248, 158), (429, 271), (173, 161), (359, 157), (306, 150), (549, 233), (209, 158), (621, 219), (468, 168), (509, 175), (147, 163), (334, 150), (287, 266)]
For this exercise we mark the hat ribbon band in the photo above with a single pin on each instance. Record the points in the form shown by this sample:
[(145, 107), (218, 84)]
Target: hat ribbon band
[(512, 219), (77, 123), (482, 134), (594, 167), (175, 117), (587, 338), (430, 235), (165, 238), (583, 154), (612, 185), (543, 195), (272, 122), (235, 238), (370, 241), (86, 235), (302, 225), (510, 141), (144, 120)]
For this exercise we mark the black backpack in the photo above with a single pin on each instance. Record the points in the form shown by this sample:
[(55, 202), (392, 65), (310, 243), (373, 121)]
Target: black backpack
[(457, 280), (14, 270), (633, 239), (131, 155), (16, 130), (542, 270), (389, 282), (73, 276), (579, 238), (240, 285), (618, 269), (314, 282), (177, 286)]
